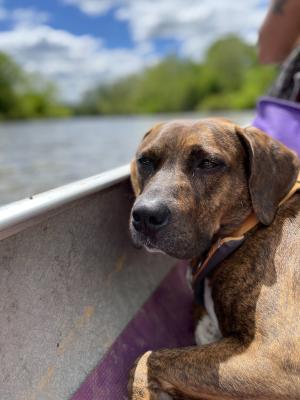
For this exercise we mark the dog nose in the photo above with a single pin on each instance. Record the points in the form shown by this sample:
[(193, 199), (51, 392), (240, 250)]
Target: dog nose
[(150, 217)]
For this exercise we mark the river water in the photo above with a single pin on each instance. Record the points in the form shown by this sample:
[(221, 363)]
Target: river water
[(40, 155)]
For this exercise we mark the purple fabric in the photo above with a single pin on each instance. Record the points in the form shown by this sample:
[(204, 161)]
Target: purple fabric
[(165, 320), (280, 119)]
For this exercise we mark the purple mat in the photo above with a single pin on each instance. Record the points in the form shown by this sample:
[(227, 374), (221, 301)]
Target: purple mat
[(165, 320), (280, 119)]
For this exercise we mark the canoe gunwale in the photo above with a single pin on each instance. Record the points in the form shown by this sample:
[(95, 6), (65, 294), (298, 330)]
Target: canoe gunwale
[(21, 211)]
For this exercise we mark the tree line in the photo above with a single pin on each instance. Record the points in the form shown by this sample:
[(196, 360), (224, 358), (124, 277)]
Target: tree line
[(229, 77), (24, 96)]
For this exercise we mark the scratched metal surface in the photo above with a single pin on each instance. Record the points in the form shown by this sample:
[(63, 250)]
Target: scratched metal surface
[(68, 286)]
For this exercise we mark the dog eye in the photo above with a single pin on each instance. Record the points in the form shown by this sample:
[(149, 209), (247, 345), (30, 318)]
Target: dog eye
[(207, 164), (146, 163)]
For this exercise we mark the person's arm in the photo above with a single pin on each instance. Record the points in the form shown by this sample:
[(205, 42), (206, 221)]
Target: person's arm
[(280, 31)]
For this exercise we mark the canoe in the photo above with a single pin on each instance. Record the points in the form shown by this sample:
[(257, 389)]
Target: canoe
[(78, 302)]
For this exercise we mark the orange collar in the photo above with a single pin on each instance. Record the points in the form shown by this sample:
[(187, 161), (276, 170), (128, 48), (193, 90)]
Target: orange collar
[(222, 248)]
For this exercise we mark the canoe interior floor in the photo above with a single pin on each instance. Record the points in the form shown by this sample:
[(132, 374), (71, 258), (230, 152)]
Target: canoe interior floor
[(69, 284)]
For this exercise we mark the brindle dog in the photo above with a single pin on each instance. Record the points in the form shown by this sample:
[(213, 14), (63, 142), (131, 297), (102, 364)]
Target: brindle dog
[(196, 182)]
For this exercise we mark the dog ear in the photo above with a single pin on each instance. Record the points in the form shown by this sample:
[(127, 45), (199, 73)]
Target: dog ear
[(273, 169), (134, 178)]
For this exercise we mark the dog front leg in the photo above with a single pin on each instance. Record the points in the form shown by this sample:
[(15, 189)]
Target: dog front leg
[(223, 370)]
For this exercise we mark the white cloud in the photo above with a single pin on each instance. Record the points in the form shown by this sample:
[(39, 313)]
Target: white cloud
[(23, 16), (27, 17), (75, 63), (195, 24), (93, 7)]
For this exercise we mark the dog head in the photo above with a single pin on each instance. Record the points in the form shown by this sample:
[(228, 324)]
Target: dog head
[(198, 181)]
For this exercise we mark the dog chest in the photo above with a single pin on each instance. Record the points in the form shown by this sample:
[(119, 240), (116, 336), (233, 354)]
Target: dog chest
[(207, 330)]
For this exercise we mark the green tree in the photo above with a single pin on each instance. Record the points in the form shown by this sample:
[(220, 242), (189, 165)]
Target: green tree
[(228, 78), (26, 96), (11, 83), (228, 60), (239, 79), (167, 87)]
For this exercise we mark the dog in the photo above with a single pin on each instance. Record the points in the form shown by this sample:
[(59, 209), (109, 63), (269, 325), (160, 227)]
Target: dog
[(197, 182)]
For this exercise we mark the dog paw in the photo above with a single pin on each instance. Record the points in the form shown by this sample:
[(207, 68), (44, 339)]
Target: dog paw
[(206, 332), (138, 386)]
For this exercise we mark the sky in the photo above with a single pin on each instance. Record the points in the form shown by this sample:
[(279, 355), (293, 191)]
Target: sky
[(79, 44)]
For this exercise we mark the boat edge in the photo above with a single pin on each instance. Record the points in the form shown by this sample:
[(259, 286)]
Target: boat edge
[(20, 211)]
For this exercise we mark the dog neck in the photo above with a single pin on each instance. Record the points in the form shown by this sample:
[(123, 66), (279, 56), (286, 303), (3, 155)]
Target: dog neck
[(224, 247)]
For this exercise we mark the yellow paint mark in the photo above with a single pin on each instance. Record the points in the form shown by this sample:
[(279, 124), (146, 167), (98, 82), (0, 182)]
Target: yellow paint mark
[(82, 320), (117, 268), (43, 382), (87, 313), (45, 379), (64, 344)]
